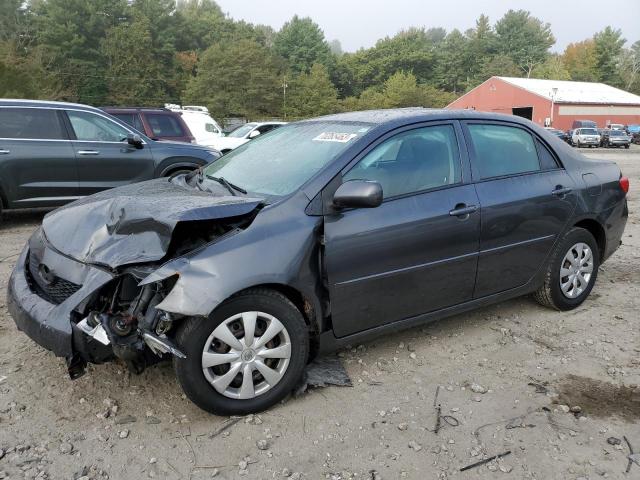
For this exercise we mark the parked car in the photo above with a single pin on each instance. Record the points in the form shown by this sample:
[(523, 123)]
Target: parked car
[(585, 137), (242, 135), (583, 124), (636, 138), (632, 129), (318, 235), (615, 138), (203, 127), (558, 133), (615, 126), (52, 153), (156, 123)]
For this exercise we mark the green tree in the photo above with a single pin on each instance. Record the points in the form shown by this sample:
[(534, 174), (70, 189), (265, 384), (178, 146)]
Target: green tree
[(25, 76), (311, 94), (580, 60), (301, 42), (454, 61), (411, 50), (629, 68), (240, 78), (130, 45), (553, 69), (497, 65), (608, 46), (524, 39), (481, 45), (400, 90), (71, 32)]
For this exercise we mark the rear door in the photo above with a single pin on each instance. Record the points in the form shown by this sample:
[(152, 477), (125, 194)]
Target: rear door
[(37, 161), (415, 253), (104, 158), (526, 199)]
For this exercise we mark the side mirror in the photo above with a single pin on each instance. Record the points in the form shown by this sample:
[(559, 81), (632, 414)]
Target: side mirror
[(254, 134), (358, 194), (134, 140)]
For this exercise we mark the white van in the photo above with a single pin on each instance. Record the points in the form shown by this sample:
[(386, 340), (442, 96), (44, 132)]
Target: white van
[(203, 127)]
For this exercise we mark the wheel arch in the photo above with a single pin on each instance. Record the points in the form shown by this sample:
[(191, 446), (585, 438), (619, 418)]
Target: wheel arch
[(308, 308), (170, 165), (597, 230)]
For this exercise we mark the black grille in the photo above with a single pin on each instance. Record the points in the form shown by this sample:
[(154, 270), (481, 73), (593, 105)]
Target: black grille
[(57, 291)]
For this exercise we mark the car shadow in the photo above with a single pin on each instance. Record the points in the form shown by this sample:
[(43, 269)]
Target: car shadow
[(19, 218)]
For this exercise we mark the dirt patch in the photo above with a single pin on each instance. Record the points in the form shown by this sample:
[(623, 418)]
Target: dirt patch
[(600, 399)]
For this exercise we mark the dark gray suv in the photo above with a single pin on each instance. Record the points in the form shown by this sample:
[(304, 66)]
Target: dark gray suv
[(52, 153)]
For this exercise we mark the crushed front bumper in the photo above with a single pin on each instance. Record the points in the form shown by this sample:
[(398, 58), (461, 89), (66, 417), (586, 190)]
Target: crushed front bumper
[(49, 324)]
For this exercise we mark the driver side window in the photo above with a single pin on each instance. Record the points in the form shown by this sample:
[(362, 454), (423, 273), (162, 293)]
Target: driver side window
[(94, 128), (412, 161)]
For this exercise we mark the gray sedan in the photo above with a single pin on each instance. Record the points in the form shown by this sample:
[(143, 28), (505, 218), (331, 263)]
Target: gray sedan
[(317, 235)]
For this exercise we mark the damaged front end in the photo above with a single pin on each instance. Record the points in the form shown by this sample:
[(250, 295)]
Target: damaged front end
[(78, 288)]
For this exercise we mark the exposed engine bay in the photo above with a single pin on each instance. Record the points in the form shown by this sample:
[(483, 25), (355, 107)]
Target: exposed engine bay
[(121, 318)]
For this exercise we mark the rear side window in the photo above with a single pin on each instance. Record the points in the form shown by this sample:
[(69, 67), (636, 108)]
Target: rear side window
[(502, 150), (547, 160), (165, 125), (31, 123)]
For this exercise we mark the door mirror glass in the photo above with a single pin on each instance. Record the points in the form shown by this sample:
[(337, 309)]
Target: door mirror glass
[(134, 140), (358, 194), (254, 134)]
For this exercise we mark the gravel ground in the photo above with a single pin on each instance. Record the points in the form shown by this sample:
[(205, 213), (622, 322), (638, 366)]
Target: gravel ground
[(508, 374)]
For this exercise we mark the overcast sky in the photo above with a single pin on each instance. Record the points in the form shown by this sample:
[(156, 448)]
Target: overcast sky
[(359, 23)]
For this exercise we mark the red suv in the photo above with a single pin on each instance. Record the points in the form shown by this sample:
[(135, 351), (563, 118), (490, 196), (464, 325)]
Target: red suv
[(156, 123)]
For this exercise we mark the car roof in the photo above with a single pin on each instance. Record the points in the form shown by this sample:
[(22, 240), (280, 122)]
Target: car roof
[(8, 102), (410, 115), (138, 109)]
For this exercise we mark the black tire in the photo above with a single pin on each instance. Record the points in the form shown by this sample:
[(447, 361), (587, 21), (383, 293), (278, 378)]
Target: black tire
[(626, 146), (550, 294), (193, 333), (180, 171)]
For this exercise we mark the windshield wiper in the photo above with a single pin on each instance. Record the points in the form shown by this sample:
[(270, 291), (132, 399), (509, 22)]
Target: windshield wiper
[(227, 184)]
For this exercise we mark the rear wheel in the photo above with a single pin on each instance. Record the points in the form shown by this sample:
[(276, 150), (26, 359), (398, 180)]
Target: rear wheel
[(571, 271), (247, 356)]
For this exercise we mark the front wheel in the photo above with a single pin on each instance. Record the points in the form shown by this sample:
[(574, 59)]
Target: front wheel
[(247, 356), (571, 271)]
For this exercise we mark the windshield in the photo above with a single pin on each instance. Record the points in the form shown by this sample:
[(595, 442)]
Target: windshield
[(242, 131), (588, 131), (282, 161), (616, 133)]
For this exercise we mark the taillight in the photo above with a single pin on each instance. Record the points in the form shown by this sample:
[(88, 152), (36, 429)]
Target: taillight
[(624, 184)]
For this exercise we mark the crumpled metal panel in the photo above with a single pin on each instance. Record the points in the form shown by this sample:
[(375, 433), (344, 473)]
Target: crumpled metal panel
[(134, 223), (279, 247)]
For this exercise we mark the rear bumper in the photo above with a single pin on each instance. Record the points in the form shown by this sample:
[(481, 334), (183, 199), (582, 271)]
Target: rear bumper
[(48, 324)]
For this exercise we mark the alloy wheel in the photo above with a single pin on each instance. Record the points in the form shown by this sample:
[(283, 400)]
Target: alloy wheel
[(246, 355), (576, 270)]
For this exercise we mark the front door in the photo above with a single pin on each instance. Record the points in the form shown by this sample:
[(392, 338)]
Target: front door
[(526, 200), (415, 253), (104, 158), (37, 162)]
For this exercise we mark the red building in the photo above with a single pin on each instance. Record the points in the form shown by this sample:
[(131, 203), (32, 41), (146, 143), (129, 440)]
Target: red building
[(554, 103)]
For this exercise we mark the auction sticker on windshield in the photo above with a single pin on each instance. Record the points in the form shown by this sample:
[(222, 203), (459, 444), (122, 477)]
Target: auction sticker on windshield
[(335, 137)]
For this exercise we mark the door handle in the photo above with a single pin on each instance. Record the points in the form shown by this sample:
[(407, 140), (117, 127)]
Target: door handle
[(561, 191), (88, 152), (4, 151), (462, 210)]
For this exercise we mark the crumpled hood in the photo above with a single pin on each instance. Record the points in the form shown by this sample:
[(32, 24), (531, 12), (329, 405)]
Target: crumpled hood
[(134, 223)]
